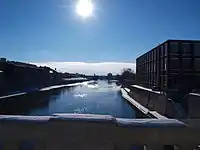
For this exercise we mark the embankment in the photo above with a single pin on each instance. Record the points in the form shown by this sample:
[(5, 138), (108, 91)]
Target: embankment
[(158, 101)]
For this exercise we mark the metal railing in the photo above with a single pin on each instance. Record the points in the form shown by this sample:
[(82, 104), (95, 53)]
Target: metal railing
[(96, 132)]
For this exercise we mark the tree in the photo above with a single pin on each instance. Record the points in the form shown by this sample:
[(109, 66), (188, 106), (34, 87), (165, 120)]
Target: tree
[(128, 74), (109, 76), (117, 77)]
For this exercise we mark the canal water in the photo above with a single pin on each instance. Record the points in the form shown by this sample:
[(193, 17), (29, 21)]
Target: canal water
[(101, 97)]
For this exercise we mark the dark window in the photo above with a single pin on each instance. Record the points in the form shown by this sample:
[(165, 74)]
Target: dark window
[(186, 49), (197, 49), (174, 49)]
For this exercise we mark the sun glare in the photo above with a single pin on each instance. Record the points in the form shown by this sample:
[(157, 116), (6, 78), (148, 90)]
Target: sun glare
[(84, 8)]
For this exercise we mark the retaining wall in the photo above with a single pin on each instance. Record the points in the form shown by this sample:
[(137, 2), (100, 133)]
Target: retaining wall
[(159, 102)]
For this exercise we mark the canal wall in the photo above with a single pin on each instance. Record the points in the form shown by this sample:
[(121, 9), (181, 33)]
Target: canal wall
[(18, 77), (22, 103), (155, 100), (149, 99), (193, 101), (48, 88), (141, 110)]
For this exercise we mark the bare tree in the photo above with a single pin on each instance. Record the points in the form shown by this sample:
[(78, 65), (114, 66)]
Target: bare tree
[(128, 74)]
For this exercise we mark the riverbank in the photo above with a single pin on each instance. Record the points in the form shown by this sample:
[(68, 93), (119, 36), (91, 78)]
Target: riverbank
[(20, 77), (73, 83)]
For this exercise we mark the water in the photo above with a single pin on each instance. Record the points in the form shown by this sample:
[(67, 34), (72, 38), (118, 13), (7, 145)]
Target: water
[(97, 98)]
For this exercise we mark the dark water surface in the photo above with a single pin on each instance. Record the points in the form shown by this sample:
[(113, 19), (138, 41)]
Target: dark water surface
[(88, 98)]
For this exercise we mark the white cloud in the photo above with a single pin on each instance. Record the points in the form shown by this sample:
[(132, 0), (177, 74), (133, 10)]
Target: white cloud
[(89, 68)]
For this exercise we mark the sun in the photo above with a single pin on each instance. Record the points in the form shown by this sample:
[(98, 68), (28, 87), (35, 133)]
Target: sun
[(84, 8)]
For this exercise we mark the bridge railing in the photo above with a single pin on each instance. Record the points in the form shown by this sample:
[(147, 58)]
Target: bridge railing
[(96, 132)]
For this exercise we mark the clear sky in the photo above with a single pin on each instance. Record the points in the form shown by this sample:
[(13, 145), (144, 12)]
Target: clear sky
[(119, 30)]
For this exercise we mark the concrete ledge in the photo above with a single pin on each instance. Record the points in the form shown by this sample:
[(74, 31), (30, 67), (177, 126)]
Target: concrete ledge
[(195, 94), (24, 118), (146, 89), (123, 122), (157, 115), (89, 132), (150, 123), (83, 117), (44, 89), (133, 102)]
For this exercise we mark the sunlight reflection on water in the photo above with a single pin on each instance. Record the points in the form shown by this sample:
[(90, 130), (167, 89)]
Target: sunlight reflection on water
[(92, 86), (80, 95), (80, 110)]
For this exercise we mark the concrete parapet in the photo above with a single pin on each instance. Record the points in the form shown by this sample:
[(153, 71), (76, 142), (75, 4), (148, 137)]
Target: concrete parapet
[(89, 132)]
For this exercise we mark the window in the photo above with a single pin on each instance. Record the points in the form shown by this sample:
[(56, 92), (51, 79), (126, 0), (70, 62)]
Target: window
[(197, 49), (187, 63), (174, 63), (154, 67), (165, 65), (197, 64), (166, 48), (186, 49), (174, 49), (162, 51)]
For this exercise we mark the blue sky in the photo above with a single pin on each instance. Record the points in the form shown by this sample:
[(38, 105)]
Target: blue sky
[(44, 31)]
